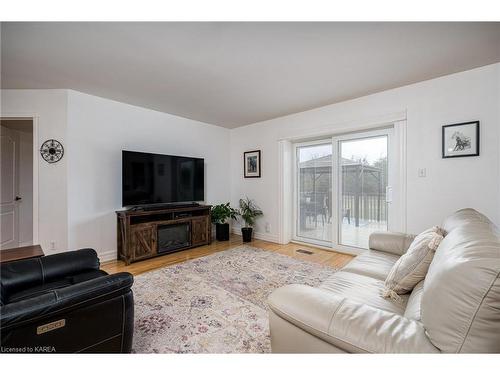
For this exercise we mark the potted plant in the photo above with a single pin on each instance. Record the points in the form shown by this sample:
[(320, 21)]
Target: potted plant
[(248, 212), (220, 214)]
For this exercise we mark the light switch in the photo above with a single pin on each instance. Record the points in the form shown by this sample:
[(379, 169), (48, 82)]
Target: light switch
[(422, 172)]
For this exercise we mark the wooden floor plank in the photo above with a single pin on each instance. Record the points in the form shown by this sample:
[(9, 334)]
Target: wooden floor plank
[(330, 258)]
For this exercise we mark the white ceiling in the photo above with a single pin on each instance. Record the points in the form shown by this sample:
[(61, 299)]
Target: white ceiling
[(233, 74)]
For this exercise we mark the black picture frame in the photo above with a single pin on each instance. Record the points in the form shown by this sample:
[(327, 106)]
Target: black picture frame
[(476, 133), (256, 174)]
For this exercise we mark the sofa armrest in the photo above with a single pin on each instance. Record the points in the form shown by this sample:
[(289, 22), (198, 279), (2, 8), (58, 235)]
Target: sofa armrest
[(64, 299), (390, 242), (349, 326)]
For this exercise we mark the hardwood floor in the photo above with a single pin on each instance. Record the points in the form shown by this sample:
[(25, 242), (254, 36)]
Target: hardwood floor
[(330, 258)]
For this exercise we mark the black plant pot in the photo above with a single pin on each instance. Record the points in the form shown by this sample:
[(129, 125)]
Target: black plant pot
[(247, 234), (222, 232)]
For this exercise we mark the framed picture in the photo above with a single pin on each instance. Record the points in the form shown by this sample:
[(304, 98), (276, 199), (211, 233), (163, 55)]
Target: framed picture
[(461, 140), (251, 161)]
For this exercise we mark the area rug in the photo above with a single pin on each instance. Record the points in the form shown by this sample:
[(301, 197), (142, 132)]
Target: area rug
[(215, 304)]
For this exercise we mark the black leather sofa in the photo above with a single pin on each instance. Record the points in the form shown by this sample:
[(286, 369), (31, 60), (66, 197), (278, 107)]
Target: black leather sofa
[(64, 303)]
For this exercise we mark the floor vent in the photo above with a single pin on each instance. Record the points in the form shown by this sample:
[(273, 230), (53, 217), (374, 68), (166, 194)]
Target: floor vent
[(302, 251)]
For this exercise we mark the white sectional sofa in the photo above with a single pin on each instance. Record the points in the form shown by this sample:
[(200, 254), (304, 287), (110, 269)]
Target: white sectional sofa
[(456, 309)]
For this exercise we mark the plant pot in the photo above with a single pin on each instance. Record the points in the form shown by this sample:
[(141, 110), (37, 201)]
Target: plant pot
[(247, 234), (222, 232)]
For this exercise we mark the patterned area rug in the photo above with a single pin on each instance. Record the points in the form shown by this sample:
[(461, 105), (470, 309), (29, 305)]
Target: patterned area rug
[(215, 304)]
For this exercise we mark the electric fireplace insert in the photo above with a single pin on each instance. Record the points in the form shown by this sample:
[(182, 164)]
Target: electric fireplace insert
[(173, 237)]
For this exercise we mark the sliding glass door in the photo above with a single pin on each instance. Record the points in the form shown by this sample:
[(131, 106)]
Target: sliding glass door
[(363, 182), (343, 189), (314, 192)]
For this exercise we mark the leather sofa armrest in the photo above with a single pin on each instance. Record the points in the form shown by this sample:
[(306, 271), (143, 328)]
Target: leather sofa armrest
[(60, 300), (349, 326), (390, 242)]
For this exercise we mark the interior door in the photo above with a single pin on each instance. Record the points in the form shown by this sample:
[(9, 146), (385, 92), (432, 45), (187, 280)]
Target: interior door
[(9, 187)]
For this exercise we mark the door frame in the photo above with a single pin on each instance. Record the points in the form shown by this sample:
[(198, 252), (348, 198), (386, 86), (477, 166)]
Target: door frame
[(34, 118), (398, 123)]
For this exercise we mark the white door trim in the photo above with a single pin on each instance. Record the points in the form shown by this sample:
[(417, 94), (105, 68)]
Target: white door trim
[(400, 140), (398, 123), (353, 126), (10, 207), (285, 192), (34, 117)]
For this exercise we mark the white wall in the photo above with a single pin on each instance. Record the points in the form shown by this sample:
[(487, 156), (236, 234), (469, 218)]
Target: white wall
[(450, 183), (98, 130), (78, 195), (49, 106)]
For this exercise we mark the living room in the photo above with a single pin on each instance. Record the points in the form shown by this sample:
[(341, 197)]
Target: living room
[(250, 188)]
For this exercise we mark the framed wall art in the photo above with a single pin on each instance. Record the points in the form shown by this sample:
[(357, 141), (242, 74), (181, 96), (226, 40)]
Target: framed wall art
[(461, 140), (251, 160)]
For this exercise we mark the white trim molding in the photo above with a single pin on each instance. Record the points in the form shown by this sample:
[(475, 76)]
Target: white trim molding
[(354, 126), (287, 179), (258, 235), (285, 191), (106, 256)]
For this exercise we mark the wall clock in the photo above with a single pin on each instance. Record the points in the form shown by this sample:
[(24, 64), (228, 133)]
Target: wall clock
[(52, 151)]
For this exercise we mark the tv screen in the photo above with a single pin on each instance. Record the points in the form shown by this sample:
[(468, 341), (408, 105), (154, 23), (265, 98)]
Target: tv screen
[(154, 178)]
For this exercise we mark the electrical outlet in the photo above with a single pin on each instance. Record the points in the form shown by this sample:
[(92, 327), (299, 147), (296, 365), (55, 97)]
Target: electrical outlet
[(52, 245), (422, 172), (268, 227)]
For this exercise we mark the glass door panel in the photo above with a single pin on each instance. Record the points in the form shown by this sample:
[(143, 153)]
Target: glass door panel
[(314, 192), (363, 177)]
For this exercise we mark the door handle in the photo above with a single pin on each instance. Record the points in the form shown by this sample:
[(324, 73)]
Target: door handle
[(18, 198), (388, 194)]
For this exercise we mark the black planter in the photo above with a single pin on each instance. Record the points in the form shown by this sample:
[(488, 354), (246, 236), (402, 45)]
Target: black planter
[(247, 234), (222, 232)]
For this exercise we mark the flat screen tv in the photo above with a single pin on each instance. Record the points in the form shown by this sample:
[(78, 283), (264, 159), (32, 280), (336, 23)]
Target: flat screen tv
[(149, 179)]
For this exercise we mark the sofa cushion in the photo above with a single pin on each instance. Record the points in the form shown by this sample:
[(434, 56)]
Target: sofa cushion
[(363, 289), (412, 267), (413, 306), (372, 263), (461, 299), (347, 325)]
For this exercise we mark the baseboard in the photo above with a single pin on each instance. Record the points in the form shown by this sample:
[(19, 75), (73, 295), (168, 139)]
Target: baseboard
[(106, 256), (258, 235)]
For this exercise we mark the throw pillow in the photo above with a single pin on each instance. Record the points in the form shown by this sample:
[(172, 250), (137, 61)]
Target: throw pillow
[(412, 267)]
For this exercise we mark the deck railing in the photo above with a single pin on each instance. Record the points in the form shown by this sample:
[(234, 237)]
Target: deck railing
[(371, 207)]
